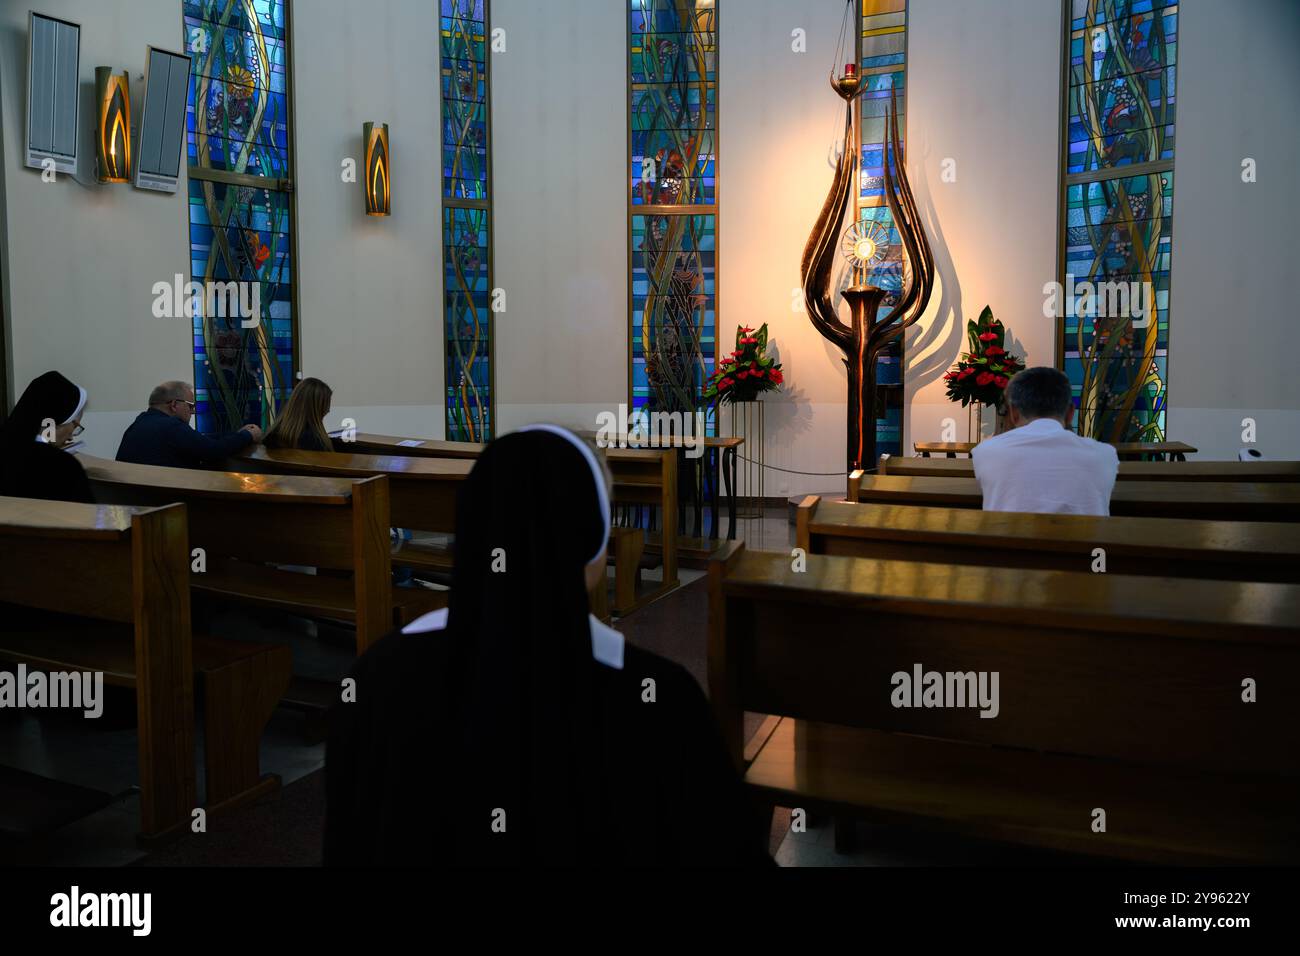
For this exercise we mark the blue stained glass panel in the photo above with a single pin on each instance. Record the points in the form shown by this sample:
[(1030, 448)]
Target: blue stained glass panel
[(467, 240), (238, 122)]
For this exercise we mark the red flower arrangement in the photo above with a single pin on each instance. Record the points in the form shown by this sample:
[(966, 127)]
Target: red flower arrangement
[(742, 375), (981, 375)]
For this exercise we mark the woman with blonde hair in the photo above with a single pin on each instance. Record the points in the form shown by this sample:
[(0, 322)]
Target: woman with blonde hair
[(301, 423)]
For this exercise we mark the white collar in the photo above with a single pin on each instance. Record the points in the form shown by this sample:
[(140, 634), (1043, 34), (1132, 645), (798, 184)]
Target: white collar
[(606, 643), (1044, 425)]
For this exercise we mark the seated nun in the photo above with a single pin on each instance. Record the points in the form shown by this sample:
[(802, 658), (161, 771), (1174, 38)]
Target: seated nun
[(33, 463), (513, 728)]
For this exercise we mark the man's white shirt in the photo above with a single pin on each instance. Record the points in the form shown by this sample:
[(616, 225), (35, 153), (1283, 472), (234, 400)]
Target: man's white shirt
[(1044, 468)]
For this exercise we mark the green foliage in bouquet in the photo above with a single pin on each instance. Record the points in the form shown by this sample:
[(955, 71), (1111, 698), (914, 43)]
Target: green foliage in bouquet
[(746, 372), (981, 375)]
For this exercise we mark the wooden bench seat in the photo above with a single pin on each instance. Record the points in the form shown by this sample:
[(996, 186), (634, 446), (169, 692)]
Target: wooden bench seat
[(1115, 692), (1025, 797), (1203, 500), (1253, 471), (317, 596), (1127, 451), (1223, 550)]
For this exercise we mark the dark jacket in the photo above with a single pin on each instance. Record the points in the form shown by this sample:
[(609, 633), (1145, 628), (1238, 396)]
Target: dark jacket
[(37, 470), (156, 438)]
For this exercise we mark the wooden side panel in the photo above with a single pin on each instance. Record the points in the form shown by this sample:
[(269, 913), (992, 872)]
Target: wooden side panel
[(373, 570), (803, 522), (854, 485), (669, 523), (164, 669), (239, 696), (723, 659)]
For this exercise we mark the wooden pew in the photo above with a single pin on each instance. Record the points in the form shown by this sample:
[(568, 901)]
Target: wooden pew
[(641, 477), (422, 494), (421, 491), (124, 571), (1112, 694), (1204, 500), (246, 521), (1253, 471), (1222, 550), (1127, 451)]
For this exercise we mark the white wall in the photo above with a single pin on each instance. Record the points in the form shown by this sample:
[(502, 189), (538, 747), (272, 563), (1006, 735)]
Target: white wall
[(370, 292), (559, 118), (985, 92), (1233, 329), (82, 259)]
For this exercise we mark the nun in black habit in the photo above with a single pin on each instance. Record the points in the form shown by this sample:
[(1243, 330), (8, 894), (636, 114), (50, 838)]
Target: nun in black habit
[(33, 463), (513, 728)]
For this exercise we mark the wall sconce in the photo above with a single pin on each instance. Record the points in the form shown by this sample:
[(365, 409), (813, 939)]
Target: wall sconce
[(376, 182), (113, 134)]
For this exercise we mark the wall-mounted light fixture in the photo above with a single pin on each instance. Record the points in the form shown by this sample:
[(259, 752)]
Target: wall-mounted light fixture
[(376, 182), (113, 133)]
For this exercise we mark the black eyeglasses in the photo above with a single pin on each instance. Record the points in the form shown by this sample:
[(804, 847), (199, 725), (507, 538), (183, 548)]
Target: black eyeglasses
[(78, 430)]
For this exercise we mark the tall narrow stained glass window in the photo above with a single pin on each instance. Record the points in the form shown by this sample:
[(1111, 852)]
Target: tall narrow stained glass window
[(241, 211), (1117, 217), (467, 219), (882, 55), (672, 207)]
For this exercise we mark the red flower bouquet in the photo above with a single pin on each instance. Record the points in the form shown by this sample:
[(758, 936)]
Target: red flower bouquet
[(981, 375), (742, 375)]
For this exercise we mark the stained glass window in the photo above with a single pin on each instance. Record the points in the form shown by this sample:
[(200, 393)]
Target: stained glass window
[(240, 209), (672, 205), (467, 219), (1118, 218), (882, 56)]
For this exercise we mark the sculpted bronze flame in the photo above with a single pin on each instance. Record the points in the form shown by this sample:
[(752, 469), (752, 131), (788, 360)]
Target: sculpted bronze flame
[(866, 336)]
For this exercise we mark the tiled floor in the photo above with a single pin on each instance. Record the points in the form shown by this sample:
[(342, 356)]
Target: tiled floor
[(895, 846)]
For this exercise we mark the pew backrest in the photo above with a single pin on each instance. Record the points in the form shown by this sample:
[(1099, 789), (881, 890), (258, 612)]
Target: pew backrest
[(641, 476), (335, 523), (1206, 500), (422, 490), (1216, 471), (1223, 550), (1098, 665)]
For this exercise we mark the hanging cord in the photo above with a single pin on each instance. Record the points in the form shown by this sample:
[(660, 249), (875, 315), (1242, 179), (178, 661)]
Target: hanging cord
[(841, 49), (791, 471)]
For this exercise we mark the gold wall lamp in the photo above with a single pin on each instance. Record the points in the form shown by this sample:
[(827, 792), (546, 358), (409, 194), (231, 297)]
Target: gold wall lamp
[(376, 182), (113, 132)]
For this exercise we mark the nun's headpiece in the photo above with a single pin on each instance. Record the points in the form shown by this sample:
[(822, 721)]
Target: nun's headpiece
[(48, 397)]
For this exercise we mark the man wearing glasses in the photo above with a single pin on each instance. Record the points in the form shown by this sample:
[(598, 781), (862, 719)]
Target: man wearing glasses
[(161, 434)]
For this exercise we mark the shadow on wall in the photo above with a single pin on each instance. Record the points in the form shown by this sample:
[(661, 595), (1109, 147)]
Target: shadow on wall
[(932, 350), (787, 413)]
